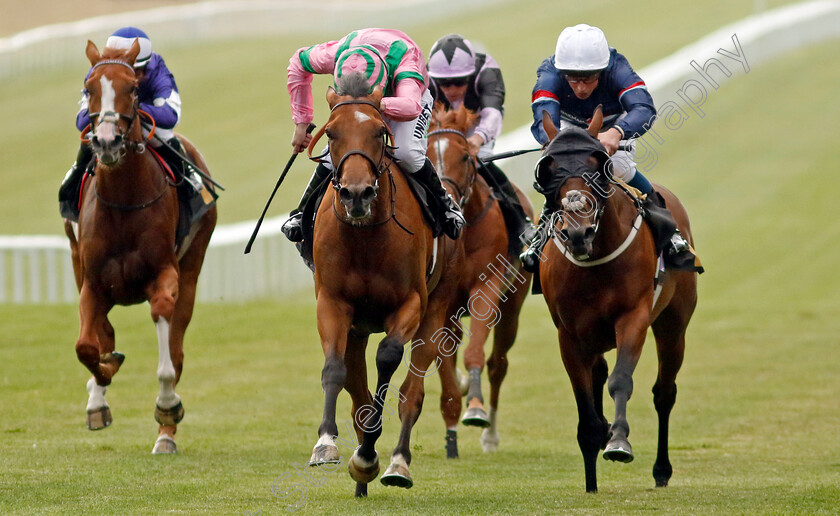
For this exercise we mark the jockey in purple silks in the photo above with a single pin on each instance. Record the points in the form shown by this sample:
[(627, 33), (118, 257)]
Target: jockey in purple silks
[(158, 95), (391, 60), (461, 76), (583, 73)]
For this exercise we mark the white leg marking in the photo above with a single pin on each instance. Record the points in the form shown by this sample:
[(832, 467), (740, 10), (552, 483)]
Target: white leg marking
[(166, 371), (399, 460), (490, 435), (96, 395), (327, 440)]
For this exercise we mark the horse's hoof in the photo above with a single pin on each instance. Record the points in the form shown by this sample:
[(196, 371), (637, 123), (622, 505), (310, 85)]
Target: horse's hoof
[(476, 416), (361, 472), (619, 451), (171, 416), (489, 440), (324, 454), (661, 482), (164, 445), (100, 418), (397, 474), (114, 356)]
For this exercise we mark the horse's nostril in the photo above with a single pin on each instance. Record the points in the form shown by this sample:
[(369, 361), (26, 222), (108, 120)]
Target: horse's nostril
[(368, 193), (589, 233), (118, 139)]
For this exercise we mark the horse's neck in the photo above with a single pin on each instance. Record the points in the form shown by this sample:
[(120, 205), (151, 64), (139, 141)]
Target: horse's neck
[(131, 180), (615, 223), (476, 205)]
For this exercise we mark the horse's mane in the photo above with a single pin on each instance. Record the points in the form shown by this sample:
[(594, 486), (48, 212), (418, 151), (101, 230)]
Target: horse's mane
[(354, 84), (461, 119), (114, 53)]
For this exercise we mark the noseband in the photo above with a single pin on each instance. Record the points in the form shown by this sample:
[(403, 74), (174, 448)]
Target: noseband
[(465, 192)]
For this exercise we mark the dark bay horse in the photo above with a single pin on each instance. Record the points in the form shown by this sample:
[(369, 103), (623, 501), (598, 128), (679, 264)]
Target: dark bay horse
[(490, 282), (124, 252), (377, 269), (598, 279)]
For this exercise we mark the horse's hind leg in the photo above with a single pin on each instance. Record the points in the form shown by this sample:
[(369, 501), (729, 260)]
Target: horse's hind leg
[(504, 335), (450, 403), (669, 331)]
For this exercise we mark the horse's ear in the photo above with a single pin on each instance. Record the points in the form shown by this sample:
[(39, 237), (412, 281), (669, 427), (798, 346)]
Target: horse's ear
[(596, 122), (376, 95), (92, 53), (332, 96), (548, 126), (131, 55)]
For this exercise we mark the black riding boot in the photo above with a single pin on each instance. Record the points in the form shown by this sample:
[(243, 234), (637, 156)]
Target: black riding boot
[(531, 257), (291, 228), (666, 235), (449, 214), (515, 216), (68, 192)]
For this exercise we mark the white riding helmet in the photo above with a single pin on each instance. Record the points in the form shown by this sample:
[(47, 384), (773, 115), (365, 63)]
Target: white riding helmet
[(123, 39), (582, 48)]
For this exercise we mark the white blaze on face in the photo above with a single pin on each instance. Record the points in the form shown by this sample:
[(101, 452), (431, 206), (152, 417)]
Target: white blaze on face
[(361, 117), (440, 147), (108, 95)]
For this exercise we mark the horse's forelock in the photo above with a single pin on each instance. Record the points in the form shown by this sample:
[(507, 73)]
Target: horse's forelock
[(354, 84)]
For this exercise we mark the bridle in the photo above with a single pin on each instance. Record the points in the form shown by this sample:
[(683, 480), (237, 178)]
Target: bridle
[(464, 193), (126, 144), (379, 165), (114, 117)]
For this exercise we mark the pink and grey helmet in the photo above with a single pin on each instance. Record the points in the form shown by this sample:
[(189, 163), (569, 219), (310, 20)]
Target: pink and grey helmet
[(123, 39), (451, 57), (363, 59)]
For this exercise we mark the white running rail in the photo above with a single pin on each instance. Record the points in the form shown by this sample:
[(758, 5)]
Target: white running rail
[(37, 269)]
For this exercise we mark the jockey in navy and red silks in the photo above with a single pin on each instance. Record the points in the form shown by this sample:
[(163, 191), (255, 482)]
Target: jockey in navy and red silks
[(157, 94), (585, 72), (461, 76)]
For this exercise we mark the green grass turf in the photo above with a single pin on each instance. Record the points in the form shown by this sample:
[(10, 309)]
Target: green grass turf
[(753, 431), (236, 109)]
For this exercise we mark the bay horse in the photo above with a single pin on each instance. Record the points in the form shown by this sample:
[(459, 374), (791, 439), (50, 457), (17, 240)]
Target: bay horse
[(377, 269), (489, 273), (598, 277), (124, 252)]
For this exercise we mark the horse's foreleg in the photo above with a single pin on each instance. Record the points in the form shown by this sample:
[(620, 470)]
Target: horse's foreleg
[(591, 431), (356, 384), (334, 320), (669, 331), (630, 332), (94, 329), (474, 360), (163, 295)]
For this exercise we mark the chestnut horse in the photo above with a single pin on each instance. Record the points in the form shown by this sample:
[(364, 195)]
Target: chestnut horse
[(377, 269), (490, 278), (124, 252), (599, 281)]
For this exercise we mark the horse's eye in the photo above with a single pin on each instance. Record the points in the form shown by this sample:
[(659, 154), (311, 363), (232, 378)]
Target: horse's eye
[(329, 134)]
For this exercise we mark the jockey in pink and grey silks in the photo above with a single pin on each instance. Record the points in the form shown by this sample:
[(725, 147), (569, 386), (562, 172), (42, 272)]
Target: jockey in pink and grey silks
[(406, 104)]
